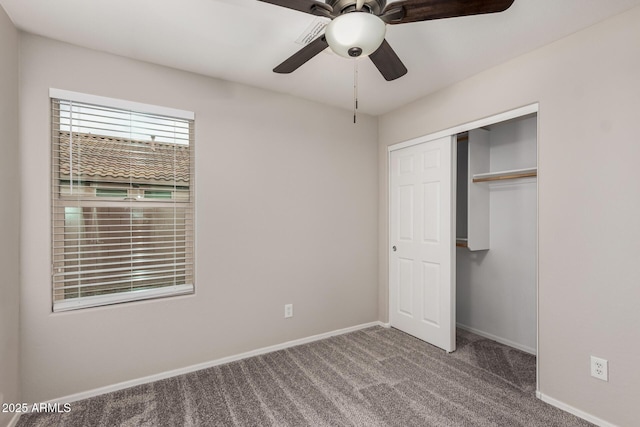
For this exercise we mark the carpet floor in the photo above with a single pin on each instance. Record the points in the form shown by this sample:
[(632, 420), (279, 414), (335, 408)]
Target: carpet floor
[(373, 377)]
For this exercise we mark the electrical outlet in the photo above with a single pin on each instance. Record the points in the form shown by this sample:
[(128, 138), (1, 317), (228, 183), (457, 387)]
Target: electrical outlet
[(288, 310), (599, 368)]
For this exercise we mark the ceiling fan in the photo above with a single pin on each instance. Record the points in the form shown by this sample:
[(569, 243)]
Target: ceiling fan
[(358, 27)]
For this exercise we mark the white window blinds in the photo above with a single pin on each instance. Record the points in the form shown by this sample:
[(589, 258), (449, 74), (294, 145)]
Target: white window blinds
[(122, 204)]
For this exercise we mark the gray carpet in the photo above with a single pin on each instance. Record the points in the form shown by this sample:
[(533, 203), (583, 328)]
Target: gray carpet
[(373, 377)]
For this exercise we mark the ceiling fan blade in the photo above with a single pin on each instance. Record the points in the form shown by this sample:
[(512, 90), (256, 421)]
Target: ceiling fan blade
[(387, 62), (303, 55), (313, 7), (424, 10)]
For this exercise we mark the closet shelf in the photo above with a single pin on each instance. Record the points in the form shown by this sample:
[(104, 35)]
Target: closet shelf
[(462, 242), (502, 175)]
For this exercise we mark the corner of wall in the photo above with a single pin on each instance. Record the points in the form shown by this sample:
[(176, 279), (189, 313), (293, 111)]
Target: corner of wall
[(9, 219)]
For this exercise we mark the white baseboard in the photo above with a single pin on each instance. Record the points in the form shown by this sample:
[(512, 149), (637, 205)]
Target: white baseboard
[(181, 371), (495, 338), (575, 411), (14, 420)]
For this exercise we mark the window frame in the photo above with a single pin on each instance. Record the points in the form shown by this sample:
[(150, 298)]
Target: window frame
[(57, 199)]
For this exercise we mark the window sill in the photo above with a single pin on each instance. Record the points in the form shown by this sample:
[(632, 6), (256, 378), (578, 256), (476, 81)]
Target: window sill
[(100, 300)]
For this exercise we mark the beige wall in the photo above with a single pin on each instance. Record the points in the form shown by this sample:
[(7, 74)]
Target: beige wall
[(9, 215), (588, 87), (286, 199)]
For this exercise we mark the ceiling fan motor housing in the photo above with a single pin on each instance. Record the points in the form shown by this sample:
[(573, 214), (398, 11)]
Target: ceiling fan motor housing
[(371, 6)]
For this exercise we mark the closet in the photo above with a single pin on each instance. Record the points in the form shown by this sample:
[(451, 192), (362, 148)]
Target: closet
[(463, 232), (496, 232)]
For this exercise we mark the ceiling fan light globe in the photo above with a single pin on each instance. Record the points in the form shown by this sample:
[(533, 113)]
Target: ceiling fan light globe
[(360, 30)]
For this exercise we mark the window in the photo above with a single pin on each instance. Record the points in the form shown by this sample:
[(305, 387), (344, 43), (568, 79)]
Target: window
[(122, 201)]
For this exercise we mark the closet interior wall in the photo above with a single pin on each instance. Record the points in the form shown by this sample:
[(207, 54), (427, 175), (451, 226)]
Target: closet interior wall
[(496, 288)]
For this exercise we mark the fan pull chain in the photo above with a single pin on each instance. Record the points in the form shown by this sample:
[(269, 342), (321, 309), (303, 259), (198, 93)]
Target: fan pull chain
[(355, 88)]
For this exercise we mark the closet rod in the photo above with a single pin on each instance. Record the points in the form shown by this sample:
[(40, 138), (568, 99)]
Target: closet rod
[(498, 176)]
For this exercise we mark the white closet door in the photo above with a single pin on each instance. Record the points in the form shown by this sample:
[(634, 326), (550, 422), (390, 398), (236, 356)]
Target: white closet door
[(422, 237)]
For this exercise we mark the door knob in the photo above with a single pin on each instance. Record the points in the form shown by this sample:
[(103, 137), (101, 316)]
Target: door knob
[(394, 248)]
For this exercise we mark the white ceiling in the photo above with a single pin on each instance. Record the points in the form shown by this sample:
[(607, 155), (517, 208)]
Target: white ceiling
[(242, 40)]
